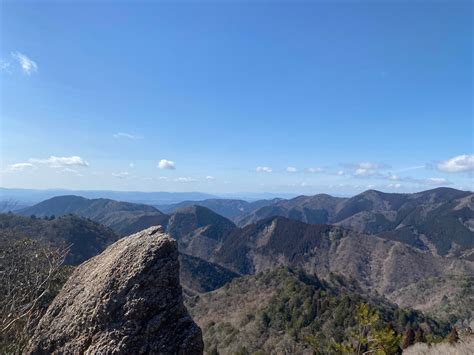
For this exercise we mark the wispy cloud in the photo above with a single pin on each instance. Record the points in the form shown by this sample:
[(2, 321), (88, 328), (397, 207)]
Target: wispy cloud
[(291, 169), (20, 166), (380, 171), (263, 169), (121, 175), (166, 164), (28, 66), (367, 168), (210, 177), (60, 162), (4, 66), (432, 181), (459, 164), (185, 179), (120, 135)]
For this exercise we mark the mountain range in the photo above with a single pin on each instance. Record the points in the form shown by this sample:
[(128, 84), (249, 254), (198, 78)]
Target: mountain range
[(402, 246), (439, 220)]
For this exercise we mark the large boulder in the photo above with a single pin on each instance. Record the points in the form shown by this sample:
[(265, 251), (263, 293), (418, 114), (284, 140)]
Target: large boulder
[(127, 300)]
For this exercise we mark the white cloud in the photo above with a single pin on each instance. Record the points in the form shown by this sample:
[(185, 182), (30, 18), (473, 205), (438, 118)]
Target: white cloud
[(131, 165), (341, 172), (434, 181), (210, 177), (162, 178), (365, 169), (60, 162), (185, 179), (315, 170), (27, 65), (20, 166), (458, 164), (263, 169), (121, 175), (291, 169), (126, 135), (166, 164)]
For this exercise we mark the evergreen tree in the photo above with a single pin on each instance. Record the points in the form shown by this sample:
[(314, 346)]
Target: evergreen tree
[(384, 341)]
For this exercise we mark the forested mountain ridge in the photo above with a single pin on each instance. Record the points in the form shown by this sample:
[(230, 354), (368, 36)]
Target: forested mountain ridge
[(288, 311), (199, 230), (377, 264), (123, 217), (440, 220), (400, 245), (83, 237)]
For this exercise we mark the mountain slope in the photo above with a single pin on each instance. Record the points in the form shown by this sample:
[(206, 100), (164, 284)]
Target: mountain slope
[(377, 264), (199, 230), (309, 209), (84, 237), (229, 208), (287, 311), (440, 220), (198, 275), (123, 217)]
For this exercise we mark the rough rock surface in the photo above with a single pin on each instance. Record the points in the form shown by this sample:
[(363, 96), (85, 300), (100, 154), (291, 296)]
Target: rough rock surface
[(127, 300)]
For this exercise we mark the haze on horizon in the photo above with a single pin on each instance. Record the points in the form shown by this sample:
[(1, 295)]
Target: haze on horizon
[(232, 97)]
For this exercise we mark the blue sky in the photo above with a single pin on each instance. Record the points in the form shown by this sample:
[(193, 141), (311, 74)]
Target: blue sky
[(234, 96)]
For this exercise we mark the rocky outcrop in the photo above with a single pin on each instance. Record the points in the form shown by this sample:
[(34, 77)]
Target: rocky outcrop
[(127, 300)]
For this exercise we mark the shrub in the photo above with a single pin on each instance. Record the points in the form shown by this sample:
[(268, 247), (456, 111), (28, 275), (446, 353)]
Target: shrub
[(31, 274)]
